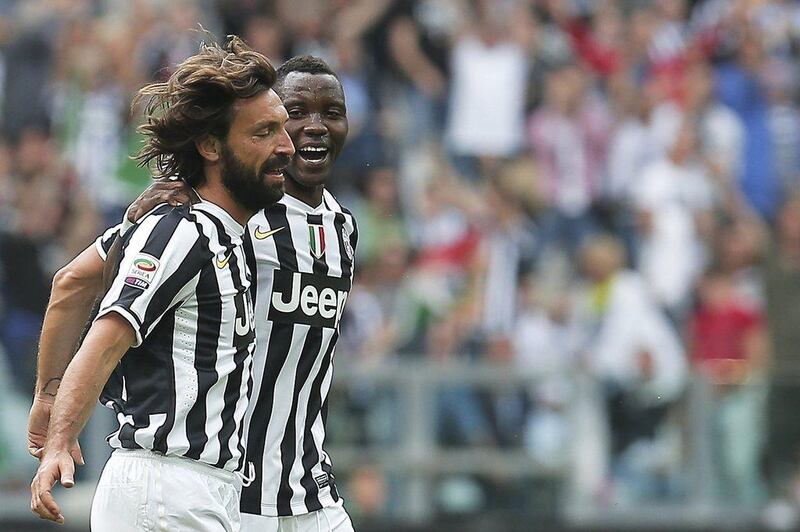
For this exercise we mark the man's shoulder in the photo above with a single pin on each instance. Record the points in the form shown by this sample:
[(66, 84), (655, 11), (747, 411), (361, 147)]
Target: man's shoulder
[(165, 220), (333, 203)]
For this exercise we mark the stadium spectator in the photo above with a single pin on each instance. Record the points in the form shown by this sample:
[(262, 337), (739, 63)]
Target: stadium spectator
[(729, 350), (672, 197), (635, 355), (568, 136), (667, 123)]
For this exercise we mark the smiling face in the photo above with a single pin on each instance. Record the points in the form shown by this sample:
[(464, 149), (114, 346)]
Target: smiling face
[(256, 151), (317, 125)]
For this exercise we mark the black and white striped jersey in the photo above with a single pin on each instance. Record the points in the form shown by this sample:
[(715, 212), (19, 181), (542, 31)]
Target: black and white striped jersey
[(303, 259), (183, 284)]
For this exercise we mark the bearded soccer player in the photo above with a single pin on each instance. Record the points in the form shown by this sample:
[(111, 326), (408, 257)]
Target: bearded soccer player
[(302, 252), (171, 349)]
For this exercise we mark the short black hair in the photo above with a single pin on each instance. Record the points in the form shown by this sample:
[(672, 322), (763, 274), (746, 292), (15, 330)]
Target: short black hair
[(302, 63)]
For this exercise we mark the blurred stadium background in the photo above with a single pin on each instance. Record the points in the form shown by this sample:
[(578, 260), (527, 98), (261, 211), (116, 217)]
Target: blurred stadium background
[(578, 286)]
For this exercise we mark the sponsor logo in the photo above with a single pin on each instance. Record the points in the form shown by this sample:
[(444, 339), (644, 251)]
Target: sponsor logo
[(311, 299), (322, 480), (261, 235), (224, 262), (145, 265), (142, 271), (316, 240), (244, 315)]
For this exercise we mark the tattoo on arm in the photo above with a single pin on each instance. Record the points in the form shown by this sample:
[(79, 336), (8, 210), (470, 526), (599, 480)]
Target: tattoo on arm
[(51, 387)]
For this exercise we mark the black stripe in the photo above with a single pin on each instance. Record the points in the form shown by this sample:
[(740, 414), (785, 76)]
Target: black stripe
[(287, 256), (331, 480), (250, 258), (309, 354), (209, 322), (232, 396), (310, 453), (242, 450), (162, 373), (346, 263), (320, 265), (195, 260), (157, 241), (242, 345), (354, 234), (280, 340), (162, 232)]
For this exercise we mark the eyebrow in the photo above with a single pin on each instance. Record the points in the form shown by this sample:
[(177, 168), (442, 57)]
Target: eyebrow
[(290, 100), (265, 124)]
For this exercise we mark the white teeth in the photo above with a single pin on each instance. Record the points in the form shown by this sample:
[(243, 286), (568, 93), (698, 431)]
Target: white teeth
[(314, 149)]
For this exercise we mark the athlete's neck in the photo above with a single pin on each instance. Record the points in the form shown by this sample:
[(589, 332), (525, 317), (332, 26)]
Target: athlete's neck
[(215, 192), (311, 196)]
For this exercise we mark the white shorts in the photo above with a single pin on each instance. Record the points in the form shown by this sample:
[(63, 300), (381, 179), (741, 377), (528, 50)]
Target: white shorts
[(329, 519), (141, 491)]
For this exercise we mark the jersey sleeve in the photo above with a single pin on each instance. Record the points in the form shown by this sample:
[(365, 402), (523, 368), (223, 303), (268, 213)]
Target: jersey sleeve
[(160, 257), (104, 241), (354, 234)]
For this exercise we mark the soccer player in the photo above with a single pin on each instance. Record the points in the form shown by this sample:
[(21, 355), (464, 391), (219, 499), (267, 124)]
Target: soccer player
[(171, 348), (302, 252)]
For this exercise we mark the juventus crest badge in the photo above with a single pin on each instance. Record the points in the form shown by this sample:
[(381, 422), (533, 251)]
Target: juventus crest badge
[(316, 240), (347, 247)]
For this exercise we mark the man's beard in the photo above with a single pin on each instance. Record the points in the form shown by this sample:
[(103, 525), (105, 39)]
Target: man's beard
[(250, 189)]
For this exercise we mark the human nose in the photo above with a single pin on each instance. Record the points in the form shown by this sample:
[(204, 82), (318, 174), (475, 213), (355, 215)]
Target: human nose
[(316, 126), (285, 145)]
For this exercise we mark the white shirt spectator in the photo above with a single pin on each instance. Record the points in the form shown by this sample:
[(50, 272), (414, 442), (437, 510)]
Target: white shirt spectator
[(630, 324), (631, 149), (487, 102), (721, 134), (671, 254)]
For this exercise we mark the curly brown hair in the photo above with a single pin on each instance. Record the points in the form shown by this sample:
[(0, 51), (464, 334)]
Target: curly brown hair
[(195, 102)]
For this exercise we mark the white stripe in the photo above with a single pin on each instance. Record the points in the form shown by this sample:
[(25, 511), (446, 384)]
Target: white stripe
[(330, 201), (318, 428), (300, 419), (265, 250), (184, 351), (298, 224), (281, 406), (240, 406), (240, 412), (215, 400), (136, 242), (332, 251), (144, 436)]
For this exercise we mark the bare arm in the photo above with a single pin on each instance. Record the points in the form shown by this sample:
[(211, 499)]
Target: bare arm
[(107, 341), (75, 288), (409, 56), (161, 191)]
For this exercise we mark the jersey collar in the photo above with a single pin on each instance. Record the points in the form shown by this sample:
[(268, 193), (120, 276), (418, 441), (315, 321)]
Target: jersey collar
[(291, 201), (231, 225)]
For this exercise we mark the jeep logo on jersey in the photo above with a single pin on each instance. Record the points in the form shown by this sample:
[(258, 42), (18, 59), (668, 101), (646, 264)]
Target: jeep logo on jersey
[(315, 300), (316, 240)]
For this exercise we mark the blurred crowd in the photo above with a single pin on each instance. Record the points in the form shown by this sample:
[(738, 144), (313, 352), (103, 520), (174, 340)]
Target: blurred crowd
[(602, 192)]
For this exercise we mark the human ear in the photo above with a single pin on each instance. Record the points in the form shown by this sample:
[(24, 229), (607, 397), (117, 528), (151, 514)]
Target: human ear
[(209, 148)]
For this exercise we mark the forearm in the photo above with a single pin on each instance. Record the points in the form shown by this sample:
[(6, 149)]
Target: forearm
[(107, 341), (75, 289)]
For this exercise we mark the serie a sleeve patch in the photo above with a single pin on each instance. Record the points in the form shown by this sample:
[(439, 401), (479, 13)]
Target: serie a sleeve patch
[(142, 271)]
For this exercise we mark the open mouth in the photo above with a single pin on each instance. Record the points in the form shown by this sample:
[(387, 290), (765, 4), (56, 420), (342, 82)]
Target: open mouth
[(313, 154), (277, 173)]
